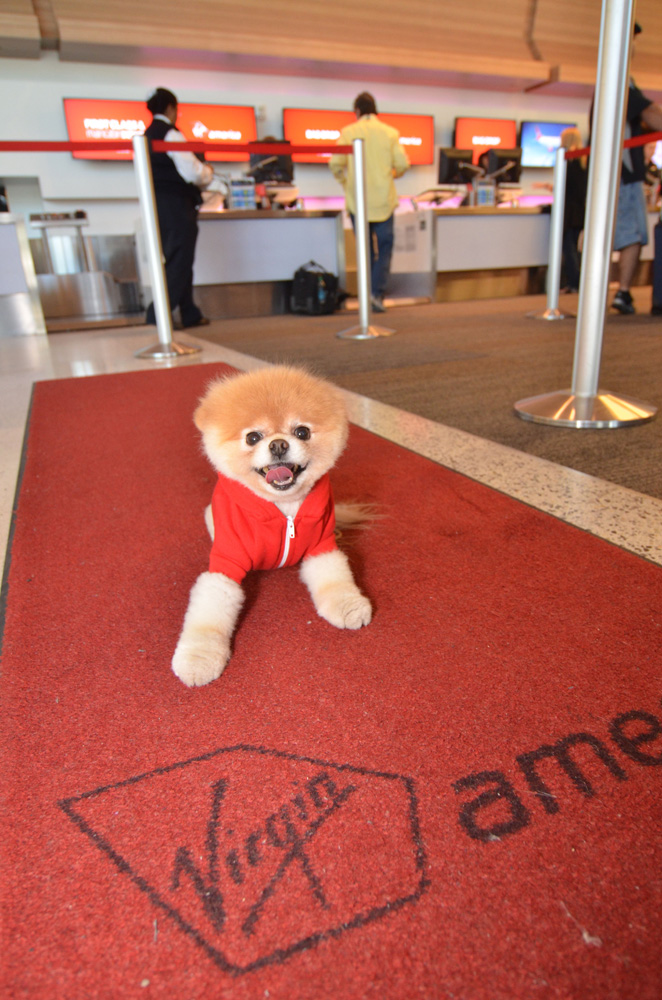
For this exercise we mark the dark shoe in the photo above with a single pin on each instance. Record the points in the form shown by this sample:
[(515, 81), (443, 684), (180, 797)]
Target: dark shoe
[(203, 321), (656, 310), (623, 303), (377, 305)]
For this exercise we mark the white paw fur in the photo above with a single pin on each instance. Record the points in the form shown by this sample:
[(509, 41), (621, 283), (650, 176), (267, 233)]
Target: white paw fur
[(335, 595), (204, 644)]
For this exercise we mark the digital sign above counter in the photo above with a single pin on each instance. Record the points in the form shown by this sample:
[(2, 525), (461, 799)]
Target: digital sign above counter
[(98, 120), (539, 142), (481, 134), (319, 127)]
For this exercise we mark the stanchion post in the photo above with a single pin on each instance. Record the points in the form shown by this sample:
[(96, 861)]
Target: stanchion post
[(585, 405), (366, 329), (166, 347), (555, 240), (362, 233)]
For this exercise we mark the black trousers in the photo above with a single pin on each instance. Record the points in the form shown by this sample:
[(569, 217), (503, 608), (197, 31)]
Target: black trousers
[(178, 222)]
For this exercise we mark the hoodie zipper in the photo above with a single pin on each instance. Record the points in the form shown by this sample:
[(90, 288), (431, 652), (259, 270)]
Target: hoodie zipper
[(289, 535)]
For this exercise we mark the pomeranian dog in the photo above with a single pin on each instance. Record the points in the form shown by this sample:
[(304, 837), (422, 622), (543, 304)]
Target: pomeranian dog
[(272, 435)]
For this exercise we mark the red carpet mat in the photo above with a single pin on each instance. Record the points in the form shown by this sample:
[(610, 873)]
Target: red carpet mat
[(462, 800)]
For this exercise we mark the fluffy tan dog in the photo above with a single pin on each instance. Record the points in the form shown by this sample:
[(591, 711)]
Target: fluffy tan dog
[(272, 436)]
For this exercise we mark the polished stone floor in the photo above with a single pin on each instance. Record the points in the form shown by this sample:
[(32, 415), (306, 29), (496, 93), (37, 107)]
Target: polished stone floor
[(628, 519)]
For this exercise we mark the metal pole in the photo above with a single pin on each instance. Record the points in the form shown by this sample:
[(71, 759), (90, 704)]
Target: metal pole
[(166, 347), (366, 329), (603, 182), (555, 240), (584, 405)]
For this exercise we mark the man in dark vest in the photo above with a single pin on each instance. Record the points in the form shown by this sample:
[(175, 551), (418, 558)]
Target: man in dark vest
[(178, 178)]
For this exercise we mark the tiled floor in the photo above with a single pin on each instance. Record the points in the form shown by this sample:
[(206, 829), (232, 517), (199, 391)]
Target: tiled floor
[(628, 519)]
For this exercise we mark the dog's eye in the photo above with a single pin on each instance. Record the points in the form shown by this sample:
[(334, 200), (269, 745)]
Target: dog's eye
[(303, 433), (253, 437)]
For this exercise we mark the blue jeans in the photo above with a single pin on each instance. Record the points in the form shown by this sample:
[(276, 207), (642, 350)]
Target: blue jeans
[(381, 250)]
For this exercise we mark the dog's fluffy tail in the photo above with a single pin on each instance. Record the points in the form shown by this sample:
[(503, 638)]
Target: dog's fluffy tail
[(354, 517)]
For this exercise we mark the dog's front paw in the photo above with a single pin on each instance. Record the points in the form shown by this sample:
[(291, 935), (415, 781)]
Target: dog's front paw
[(204, 645), (345, 607), (200, 658), (335, 595)]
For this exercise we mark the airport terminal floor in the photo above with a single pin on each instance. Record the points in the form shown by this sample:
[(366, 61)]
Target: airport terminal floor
[(624, 516)]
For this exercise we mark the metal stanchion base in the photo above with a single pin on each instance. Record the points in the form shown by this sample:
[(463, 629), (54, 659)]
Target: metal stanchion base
[(172, 350), (565, 409), (550, 314), (365, 332)]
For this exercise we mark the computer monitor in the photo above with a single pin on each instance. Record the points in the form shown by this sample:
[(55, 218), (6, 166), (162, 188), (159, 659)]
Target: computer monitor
[(504, 165), (455, 166), (271, 168)]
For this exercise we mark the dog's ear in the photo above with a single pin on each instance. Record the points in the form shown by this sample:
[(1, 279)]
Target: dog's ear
[(201, 416), (207, 407)]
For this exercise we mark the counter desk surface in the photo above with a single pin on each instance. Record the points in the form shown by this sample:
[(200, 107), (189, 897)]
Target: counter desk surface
[(247, 245)]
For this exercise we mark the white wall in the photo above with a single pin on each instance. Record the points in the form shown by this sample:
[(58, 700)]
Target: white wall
[(31, 93)]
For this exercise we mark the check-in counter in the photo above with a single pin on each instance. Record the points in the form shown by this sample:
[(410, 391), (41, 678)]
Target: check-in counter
[(245, 259), (464, 253), (487, 252), (20, 308), (469, 253)]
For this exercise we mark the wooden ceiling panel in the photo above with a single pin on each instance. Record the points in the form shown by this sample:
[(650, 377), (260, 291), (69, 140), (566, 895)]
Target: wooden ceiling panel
[(19, 30), (367, 31), (509, 45), (567, 34)]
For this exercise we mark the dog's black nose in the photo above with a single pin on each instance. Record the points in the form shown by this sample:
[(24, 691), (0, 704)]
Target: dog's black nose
[(278, 447)]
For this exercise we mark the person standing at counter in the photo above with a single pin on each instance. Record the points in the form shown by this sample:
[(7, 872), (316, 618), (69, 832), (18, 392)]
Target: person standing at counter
[(385, 159), (574, 208), (178, 179), (631, 228)]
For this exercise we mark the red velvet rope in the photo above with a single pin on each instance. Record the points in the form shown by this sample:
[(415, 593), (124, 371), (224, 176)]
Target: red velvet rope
[(638, 140), (159, 146), (20, 146)]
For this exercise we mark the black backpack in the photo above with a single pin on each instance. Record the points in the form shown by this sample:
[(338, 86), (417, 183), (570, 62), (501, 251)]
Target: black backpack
[(314, 290)]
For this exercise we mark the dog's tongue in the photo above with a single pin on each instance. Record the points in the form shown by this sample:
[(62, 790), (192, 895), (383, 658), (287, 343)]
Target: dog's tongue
[(279, 474)]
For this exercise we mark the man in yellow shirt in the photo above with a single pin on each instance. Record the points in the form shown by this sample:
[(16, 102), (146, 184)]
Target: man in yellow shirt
[(384, 159)]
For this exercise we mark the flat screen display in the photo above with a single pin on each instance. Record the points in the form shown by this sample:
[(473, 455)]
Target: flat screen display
[(416, 136), (92, 121), (480, 134), (314, 127), (317, 127), (95, 120), (539, 142), (221, 123)]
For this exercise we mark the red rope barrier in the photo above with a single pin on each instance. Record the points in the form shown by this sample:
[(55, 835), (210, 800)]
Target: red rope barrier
[(21, 146), (638, 140), (281, 149)]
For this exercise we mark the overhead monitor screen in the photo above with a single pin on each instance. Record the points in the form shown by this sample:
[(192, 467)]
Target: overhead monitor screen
[(92, 121), (314, 127), (98, 120), (416, 136), (539, 142), (318, 127), (480, 134), (220, 123)]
